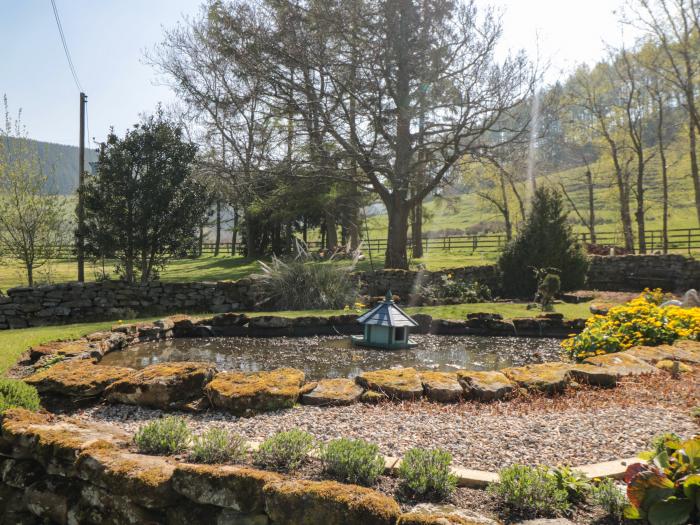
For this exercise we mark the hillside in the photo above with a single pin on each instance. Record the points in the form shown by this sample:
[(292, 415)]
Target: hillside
[(60, 163)]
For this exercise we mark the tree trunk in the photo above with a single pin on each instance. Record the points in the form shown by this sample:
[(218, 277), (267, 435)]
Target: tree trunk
[(251, 232), (397, 235), (30, 274), (664, 175), (417, 230), (505, 210), (692, 139), (591, 206), (234, 232), (639, 214), (217, 242), (200, 246), (331, 232)]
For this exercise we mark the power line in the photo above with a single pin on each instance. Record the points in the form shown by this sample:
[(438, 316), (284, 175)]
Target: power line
[(65, 46)]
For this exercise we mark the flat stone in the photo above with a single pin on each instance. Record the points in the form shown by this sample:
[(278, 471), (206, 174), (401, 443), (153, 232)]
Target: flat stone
[(234, 487), (594, 375), (485, 385), (442, 387), (64, 348), (303, 502), (269, 321), (654, 354), (443, 514), (249, 393), (333, 392), (622, 364), (544, 377), (396, 383), (147, 480), (162, 385), (673, 366), (372, 398), (230, 319), (77, 377)]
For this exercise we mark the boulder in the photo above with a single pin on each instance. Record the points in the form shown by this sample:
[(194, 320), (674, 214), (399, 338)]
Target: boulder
[(485, 385), (230, 319), (249, 393), (162, 385), (50, 499), (442, 514), (269, 321), (622, 364), (333, 392), (77, 348), (187, 514), (372, 398), (594, 375), (77, 377), (146, 480), (654, 354), (99, 506), (442, 387), (232, 487), (673, 366), (396, 383), (303, 502), (544, 377)]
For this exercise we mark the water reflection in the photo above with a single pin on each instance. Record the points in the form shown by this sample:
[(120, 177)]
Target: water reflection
[(331, 356)]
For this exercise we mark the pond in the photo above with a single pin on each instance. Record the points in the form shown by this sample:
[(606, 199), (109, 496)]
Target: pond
[(333, 356)]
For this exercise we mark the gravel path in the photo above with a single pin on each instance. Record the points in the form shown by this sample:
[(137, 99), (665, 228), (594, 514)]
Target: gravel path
[(483, 437)]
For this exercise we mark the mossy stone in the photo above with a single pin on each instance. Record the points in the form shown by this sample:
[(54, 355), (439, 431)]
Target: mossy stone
[(333, 392), (544, 377), (77, 377), (485, 385), (396, 383), (442, 387)]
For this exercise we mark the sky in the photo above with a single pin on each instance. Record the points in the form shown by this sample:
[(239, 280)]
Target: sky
[(107, 40)]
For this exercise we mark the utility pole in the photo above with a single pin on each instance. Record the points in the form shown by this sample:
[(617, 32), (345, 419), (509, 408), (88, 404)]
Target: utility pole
[(80, 247)]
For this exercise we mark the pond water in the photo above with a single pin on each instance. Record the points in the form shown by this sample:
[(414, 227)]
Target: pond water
[(334, 356)]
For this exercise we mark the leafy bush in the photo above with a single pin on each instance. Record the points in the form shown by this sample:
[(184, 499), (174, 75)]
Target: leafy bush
[(18, 394), (548, 289), (169, 435), (285, 450), (610, 498), (426, 473), (218, 445), (666, 490), (545, 241), (639, 322), (462, 291), (575, 483), (353, 461), (302, 284), (531, 491)]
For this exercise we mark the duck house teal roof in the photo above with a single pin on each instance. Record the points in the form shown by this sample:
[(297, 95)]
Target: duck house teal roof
[(386, 313)]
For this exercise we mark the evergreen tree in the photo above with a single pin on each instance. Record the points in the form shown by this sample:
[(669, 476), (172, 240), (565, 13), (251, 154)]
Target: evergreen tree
[(545, 241)]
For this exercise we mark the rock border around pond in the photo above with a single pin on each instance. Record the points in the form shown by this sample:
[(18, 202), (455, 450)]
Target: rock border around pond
[(199, 386)]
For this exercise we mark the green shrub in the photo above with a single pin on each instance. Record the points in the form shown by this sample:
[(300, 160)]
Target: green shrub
[(302, 284), (353, 461), (15, 393), (218, 445), (530, 491), (574, 482), (165, 436), (285, 450), (545, 241), (608, 496), (426, 473)]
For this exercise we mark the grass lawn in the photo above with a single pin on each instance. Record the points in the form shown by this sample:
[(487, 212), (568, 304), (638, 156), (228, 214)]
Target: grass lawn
[(210, 268), (14, 342)]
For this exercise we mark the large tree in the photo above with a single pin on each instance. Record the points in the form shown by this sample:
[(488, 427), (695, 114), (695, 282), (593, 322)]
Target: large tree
[(143, 205)]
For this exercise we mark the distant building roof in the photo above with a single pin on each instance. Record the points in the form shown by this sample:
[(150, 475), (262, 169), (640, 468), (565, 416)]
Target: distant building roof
[(387, 313)]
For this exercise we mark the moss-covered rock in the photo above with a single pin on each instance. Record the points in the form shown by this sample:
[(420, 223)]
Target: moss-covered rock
[(442, 514), (249, 393), (188, 514), (543, 377), (75, 348), (673, 366), (372, 398), (77, 377), (594, 375), (397, 383), (622, 364), (103, 507), (146, 480), (442, 387), (302, 502), (233, 487), (162, 385), (486, 385), (54, 441), (333, 392)]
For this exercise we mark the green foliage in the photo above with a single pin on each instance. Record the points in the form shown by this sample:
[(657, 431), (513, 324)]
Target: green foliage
[(547, 289), (166, 436), (666, 490), (352, 461), (218, 445), (15, 393), (531, 491), (52, 360), (608, 496), (303, 284), (574, 482), (426, 473), (545, 241), (285, 451), (144, 206), (460, 291)]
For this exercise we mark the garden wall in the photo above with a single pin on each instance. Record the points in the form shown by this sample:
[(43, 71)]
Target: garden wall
[(80, 302)]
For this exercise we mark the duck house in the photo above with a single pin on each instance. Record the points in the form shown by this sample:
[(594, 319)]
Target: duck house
[(386, 326)]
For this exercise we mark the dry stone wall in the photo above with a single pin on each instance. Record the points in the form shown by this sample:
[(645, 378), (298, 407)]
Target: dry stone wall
[(80, 302)]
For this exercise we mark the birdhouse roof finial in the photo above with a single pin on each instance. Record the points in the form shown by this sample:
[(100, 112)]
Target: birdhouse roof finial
[(389, 297)]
